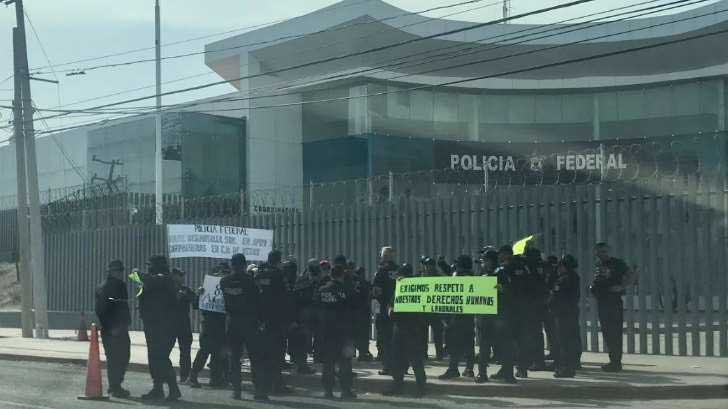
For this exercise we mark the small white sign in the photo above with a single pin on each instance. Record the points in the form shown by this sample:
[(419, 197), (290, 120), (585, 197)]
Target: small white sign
[(215, 241), (212, 298)]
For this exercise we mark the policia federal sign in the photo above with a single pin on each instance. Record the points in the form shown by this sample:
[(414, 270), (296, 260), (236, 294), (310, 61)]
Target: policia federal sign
[(447, 295)]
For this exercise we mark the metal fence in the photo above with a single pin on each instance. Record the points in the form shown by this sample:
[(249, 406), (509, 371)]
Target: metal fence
[(672, 231)]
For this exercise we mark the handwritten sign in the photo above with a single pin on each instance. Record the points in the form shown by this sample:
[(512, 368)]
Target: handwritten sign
[(214, 241), (212, 299)]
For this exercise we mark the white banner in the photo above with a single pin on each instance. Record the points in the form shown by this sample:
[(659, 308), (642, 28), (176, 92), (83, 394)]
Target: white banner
[(213, 241), (212, 298)]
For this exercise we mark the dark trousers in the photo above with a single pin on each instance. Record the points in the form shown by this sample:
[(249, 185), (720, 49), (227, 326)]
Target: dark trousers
[(525, 328), (239, 337), (212, 345), (337, 351), (362, 330), (264, 360), (160, 342), (461, 342), (611, 320), (117, 350), (407, 351), (384, 339), (438, 335), (300, 344), (567, 327), (488, 336), (184, 342), (504, 343), (278, 351)]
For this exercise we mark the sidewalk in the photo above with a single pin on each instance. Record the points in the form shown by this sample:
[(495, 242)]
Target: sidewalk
[(644, 376)]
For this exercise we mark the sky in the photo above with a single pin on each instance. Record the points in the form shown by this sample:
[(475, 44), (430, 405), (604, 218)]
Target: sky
[(71, 30)]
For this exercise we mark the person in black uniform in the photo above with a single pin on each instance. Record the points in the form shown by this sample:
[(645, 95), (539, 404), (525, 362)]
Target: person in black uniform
[(551, 274), (522, 287), (504, 321), (460, 329), (336, 309), (383, 291), (408, 329), (608, 287), (289, 268), (185, 299), (112, 309), (434, 321), (156, 303), (537, 306), (212, 341), (275, 310), (362, 312), (241, 304), (303, 296), (485, 324), (564, 303)]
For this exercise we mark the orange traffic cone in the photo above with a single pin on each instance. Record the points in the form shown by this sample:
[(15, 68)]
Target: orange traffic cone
[(82, 329), (94, 386)]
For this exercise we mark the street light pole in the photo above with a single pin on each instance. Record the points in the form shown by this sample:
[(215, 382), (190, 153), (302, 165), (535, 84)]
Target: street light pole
[(158, 173)]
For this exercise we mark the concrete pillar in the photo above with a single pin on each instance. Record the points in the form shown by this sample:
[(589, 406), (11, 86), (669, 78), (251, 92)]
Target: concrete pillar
[(359, 120)]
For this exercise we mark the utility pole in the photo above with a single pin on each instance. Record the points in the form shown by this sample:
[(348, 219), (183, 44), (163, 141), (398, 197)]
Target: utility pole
[(158, 174), (37, 256), (26, 283)]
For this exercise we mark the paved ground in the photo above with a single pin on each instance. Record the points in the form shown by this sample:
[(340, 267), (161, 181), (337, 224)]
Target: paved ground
[(645, 376), (38, 385)]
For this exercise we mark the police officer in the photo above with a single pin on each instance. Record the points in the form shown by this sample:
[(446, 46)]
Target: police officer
[(212, 341), (564, 303), (300, 342), (551, 274), (610, 278), (504, 321), (523, 292), (289, 268), (434, 321), (383, 290), (185, 299), (408, 329), (537, 306), (460, 328), (241, 305), (485, 324), (112, 309), (362, 312), (275, 311), (336, 309), (156, 302)]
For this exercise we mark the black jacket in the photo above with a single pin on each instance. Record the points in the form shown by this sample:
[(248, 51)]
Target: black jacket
[(335, 309), (564, 298), (608, 274), (241, 299), (275, 301), (384, 285), (158, 300), (186, 298), (112, 306)]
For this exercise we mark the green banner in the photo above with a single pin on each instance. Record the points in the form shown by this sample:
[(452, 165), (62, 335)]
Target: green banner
[(447, 295)]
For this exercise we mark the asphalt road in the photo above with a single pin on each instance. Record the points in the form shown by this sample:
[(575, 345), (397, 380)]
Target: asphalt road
[(31, 385)]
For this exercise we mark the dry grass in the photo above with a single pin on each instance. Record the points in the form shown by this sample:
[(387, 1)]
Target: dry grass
[(9, 287)]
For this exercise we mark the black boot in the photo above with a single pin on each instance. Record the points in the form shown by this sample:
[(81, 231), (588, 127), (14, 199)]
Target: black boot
[(348, 394), (194, 383), (157, 393), (237, 394), (395, 390), (174, 393)]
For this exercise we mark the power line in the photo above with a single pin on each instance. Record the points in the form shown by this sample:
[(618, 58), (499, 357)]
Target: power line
[(323, 46), (132, 51), (343, 56), (505, 43), (270, 41), (500, 74)]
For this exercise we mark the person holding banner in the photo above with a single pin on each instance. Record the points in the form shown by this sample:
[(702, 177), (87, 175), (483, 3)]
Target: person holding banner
[(460, 328), (486, 324), (212, 331), (383, 290), (504, 321), (336, 309), (408, 330), (155, 304), (241, 304), (434, 321)]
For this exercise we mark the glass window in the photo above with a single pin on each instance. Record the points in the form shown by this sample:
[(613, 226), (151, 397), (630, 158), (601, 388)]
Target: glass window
[(446, 107), (548, 109), (422, 105), (522, 109), (578, 108), (398, 102), (659, 102), (493, 109), (687, 98), (630, 104)]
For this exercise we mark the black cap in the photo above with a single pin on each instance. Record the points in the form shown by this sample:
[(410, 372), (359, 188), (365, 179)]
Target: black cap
[(464, 262), (340, 260), (428, 261), (238, 260), (569, 262), (552, 259), (405, 270), (158, 264), (289, 266), (116, 265), (506, 249), (275, 257), (490, 254)]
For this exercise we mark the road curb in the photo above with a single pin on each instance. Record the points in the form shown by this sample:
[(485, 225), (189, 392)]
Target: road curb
[(492, 389)]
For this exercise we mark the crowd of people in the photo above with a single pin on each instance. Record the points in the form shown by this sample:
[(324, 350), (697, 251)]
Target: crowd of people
[(324, 315)]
